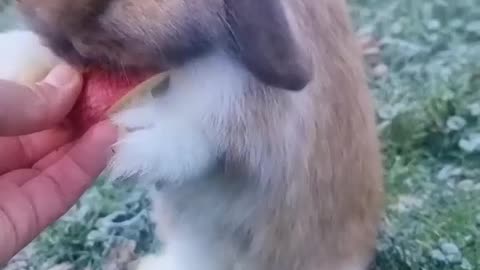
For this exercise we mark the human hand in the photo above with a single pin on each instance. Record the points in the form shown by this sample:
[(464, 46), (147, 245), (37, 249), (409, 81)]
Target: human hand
[(43, 170)]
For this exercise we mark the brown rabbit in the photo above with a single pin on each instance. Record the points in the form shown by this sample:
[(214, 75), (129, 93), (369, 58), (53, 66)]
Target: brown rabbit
[(263, 150)]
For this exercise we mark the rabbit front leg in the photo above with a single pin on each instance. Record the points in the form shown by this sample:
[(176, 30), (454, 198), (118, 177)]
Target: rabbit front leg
[(168, 148), (177, 135)]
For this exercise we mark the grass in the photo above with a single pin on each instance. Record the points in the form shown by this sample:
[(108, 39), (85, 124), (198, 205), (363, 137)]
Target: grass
[(429, 123), (426, 81), (106, 218)]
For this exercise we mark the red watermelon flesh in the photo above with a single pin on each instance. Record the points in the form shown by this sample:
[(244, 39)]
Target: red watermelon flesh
[(101, 90)]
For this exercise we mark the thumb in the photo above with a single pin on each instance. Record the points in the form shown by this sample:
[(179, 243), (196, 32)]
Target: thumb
[(25, 110)]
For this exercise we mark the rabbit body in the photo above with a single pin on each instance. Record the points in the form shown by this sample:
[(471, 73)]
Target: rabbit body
[(262, 153)]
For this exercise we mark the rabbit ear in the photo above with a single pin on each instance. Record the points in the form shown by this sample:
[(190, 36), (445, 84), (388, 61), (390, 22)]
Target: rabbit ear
[(265, 44)]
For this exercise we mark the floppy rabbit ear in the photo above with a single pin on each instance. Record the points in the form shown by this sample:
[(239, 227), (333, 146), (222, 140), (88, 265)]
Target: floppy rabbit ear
[(265, 44)]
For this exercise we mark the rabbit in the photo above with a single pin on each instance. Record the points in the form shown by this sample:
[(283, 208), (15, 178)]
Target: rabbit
[(262, 153)]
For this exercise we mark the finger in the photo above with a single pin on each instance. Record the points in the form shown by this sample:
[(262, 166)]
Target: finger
[(17, 220), (58, 187), (26, 211), (24, 110), (23, 151), (52, 157), (20, 177)]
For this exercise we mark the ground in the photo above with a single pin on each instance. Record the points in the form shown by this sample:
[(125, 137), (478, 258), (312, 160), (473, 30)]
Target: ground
[(425, 74)]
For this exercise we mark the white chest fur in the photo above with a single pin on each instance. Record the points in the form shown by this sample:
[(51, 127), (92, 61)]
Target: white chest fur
[(23, 58)]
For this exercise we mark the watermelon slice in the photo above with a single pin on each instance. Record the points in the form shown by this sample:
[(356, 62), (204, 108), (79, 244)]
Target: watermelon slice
[(107, 92)]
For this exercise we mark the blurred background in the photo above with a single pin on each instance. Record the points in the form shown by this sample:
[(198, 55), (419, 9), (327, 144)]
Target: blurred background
[(423, 62)]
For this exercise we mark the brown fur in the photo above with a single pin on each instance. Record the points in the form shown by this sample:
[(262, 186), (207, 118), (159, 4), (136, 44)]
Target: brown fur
[(312, 156)]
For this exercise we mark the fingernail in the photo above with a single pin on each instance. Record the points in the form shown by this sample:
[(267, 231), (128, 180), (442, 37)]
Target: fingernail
[(61, 76)]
